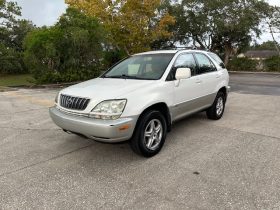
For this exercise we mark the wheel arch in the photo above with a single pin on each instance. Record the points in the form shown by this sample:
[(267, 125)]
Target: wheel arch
[(161, 107), (224, 91)]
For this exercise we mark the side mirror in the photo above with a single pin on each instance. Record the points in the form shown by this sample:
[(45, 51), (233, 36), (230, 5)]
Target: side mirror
[(183, 73), (222, 65)]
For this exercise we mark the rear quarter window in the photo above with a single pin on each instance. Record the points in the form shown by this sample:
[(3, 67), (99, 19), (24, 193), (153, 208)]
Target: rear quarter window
[(216, 58)]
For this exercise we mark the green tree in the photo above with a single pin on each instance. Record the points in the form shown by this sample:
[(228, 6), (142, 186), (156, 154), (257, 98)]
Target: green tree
[(269, 45), (242, 64), (82, 39), (12, 33), (10, 61), (273, 24), (221, 26), (69, 51), (132, 25), (8, 13), (273, 64), (41, 55), (18, 33)]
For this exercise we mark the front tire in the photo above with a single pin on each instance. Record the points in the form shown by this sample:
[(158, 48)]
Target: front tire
[(150, 134), (216, 111)]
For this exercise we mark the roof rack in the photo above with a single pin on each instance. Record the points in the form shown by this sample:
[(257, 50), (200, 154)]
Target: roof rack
[(179, 48)]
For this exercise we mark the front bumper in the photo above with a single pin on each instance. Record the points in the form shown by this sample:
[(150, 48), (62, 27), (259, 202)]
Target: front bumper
[(109, 131)]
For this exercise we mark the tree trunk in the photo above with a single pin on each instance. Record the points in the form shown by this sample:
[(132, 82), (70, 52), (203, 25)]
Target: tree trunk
[(274, 40), (126, 50), (228, 51), (196, 38)]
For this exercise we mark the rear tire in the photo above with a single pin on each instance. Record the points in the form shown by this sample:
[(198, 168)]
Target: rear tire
[(150, 134), (216, 111)]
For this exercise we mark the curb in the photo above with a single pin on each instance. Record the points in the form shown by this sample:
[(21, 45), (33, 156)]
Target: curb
[(60, 85), (252, 72), (5, 89)]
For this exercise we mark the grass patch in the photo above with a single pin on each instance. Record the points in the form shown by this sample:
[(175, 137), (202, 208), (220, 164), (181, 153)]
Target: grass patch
[(16, 80)]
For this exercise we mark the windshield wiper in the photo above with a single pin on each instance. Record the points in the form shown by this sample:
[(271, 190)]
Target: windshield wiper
[(123, 76)]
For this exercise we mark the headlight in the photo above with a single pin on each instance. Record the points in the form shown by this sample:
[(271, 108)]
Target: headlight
[(108, 110)]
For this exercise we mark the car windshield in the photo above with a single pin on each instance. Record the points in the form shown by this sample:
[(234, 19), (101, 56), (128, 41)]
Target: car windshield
[(144, 67)]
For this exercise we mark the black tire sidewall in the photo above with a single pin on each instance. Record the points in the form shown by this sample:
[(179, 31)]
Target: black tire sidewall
[(212, 111), (219, 95), (145, 119)]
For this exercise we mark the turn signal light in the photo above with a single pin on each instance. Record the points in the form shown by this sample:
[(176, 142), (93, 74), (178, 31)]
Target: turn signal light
[(124, 127)]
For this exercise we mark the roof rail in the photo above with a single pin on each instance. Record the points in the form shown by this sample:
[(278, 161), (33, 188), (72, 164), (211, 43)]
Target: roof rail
[(180, 48)]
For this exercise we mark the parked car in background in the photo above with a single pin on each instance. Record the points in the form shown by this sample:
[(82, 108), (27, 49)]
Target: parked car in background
[(141, 97)]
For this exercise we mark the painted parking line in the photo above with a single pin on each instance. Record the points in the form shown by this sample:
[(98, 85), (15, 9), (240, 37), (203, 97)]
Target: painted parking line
[(30, 99)]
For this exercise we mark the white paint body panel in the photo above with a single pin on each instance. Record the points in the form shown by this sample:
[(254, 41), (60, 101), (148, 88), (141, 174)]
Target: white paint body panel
[(141, 94)]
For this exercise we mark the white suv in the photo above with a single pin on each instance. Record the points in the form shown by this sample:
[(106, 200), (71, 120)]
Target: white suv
[(139, 98)]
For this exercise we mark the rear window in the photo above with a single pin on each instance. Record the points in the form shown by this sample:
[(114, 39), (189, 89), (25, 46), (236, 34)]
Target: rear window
[(216, 58)]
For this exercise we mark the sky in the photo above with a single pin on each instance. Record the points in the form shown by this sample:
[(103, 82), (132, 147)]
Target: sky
[(266, 36), (42, 12), (47, 12)]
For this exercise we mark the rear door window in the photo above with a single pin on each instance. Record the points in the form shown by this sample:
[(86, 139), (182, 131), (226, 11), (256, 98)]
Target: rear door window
[(204, 64), (217, 59)]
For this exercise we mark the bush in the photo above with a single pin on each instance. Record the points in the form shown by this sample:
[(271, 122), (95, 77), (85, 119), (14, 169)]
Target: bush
[(273, 64), (242, 64), (11, 61), (70, 75), (112, 57), (69, 51)]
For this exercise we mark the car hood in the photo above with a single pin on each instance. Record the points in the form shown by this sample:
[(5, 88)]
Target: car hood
[(105, 88)]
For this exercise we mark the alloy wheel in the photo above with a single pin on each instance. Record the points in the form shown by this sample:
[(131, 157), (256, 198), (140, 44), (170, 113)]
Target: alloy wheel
[(153, 134)]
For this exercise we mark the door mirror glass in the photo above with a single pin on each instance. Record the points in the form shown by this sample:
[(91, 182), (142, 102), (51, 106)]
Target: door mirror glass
[(222, 65), (183, 73)]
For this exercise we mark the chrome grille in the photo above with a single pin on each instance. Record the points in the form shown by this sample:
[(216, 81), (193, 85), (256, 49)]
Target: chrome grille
[(75, 103)]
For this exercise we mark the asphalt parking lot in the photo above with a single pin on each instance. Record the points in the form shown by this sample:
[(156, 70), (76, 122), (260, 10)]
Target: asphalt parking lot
[(233, 163)]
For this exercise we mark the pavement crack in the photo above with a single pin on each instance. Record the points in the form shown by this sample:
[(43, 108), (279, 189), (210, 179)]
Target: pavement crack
[(45, 161)]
